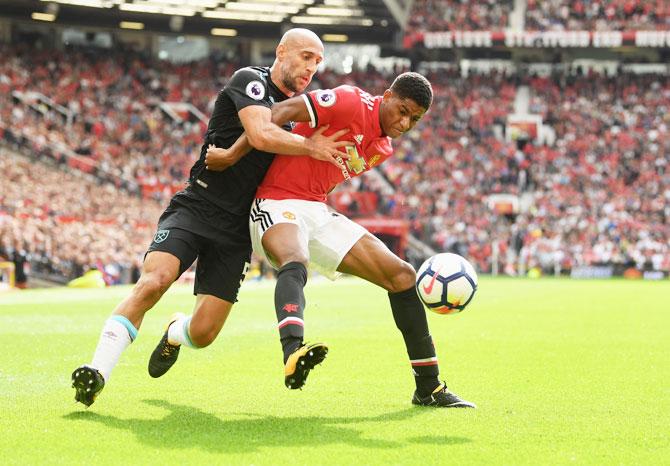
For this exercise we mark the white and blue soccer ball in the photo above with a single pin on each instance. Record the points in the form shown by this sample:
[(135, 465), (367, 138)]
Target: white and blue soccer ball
[(446, 283)]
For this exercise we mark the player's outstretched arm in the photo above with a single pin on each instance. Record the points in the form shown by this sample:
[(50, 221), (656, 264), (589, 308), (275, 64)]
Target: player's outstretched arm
[(218, 159), (295, 109), (267, 136)]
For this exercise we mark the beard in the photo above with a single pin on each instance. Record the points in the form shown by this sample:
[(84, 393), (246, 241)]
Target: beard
[(289, 81), (289, 84)]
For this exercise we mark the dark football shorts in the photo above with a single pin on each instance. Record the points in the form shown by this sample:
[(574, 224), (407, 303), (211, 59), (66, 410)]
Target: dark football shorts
[(193, 228)]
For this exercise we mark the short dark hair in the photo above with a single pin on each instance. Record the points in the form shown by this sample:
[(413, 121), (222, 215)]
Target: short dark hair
[(413, 86)]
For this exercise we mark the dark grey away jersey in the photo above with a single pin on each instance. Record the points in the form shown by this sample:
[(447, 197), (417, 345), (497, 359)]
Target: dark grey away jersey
[(234, 189)]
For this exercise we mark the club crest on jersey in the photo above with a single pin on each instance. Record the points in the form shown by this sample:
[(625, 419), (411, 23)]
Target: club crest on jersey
[(289, 215), (326, 98), (255, 90), (161, 235), (356, 163)]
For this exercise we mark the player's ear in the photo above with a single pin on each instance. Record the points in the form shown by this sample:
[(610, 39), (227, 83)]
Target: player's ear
[(280, 52), (388, 93)]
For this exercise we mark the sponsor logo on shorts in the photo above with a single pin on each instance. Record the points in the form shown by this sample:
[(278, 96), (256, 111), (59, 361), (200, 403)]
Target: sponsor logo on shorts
[(289, 215), (255, 90), (326, 98), (161, 235), (374, 159)]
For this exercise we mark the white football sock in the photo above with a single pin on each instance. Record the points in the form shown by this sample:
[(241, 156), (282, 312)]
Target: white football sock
[(117, 334), (178, 332)]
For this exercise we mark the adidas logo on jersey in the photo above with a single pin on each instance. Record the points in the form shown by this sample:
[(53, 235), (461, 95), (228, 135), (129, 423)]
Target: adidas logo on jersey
[(358, 138)]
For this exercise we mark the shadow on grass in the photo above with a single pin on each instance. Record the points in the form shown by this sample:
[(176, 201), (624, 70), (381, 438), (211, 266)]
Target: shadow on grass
[(439, 440), (188, 427)]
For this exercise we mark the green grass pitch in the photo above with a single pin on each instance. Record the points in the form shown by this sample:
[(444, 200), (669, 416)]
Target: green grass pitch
[(563, 372)]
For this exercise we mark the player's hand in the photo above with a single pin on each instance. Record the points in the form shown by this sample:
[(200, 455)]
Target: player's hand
[(217, 159), (327, 148)]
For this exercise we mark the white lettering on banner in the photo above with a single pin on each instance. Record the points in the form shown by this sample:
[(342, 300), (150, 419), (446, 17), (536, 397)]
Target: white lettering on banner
[(607, 39), (473, 39), (547, 39), (438, 40), (433, 40), (652, 38), (539, 39)]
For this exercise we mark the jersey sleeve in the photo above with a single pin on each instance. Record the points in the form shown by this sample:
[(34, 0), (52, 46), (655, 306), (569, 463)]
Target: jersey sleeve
[(245, 88), (378, 150), (332, 106)]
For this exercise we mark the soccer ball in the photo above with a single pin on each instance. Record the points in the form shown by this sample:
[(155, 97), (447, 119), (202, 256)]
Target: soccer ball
[(446, 283)]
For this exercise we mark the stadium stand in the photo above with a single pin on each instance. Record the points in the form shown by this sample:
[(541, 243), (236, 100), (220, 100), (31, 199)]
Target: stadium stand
[(598, 194), (458, 15), (598, 15), (61, 224)]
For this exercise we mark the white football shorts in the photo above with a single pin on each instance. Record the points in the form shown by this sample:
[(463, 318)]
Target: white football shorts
[(329, 235)]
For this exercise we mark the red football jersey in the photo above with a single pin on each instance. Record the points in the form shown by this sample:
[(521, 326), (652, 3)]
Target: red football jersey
[(295, 177)]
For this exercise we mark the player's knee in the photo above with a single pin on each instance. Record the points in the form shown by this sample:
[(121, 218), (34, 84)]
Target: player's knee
[(153, 284), (402, 277), (294, 257)]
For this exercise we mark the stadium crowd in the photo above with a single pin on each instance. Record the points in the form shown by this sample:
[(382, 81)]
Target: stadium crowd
[(458, 15), (63, 224), (597, 15), (600, 194), (114, 97)]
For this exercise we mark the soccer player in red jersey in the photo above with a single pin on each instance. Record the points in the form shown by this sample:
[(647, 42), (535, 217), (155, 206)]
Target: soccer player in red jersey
[(292, 226)]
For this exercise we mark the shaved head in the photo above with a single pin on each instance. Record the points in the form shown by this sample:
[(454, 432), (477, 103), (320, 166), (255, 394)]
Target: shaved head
[(298, 56), (299, 36)]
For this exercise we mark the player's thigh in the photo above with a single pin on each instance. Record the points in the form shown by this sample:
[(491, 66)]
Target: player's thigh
[(371, 260), (171, 252), (174, 236), (332, 241), (163, 266), (280, 230), (284, 243)]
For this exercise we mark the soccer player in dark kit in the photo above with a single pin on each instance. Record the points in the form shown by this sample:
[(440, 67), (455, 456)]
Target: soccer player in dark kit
[(292, 227), (209, 219)]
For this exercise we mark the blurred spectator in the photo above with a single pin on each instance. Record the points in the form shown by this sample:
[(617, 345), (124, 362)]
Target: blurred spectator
[(598, 15), (458, 15), (63, 225), (599, 194)]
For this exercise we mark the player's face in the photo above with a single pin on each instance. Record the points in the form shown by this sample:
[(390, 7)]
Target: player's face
[(300, 61), (398, 115)]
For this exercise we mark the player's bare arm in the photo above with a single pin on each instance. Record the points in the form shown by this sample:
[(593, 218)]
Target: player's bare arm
[(218, 159), (266, 136), (294, 109)]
